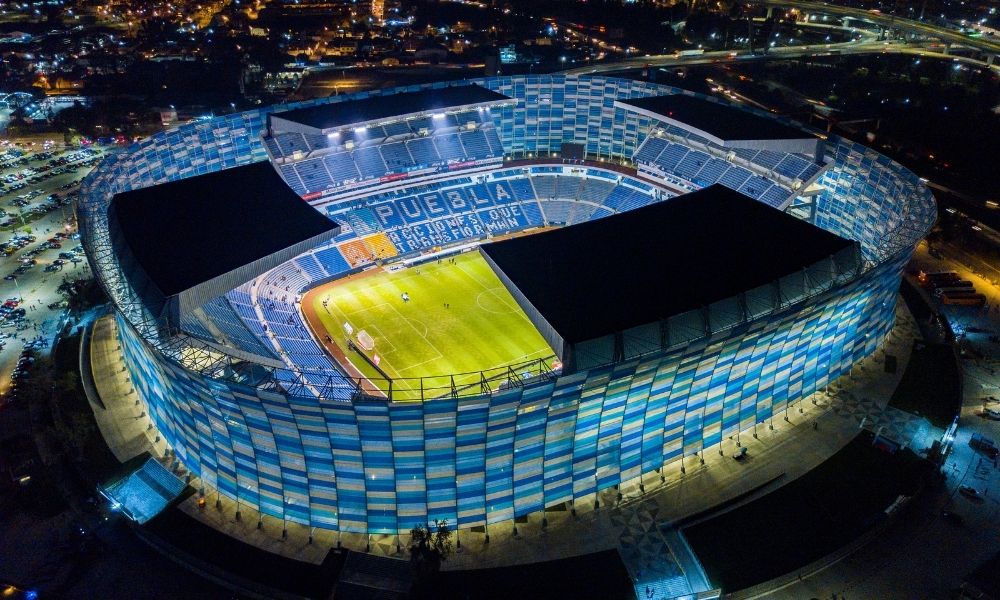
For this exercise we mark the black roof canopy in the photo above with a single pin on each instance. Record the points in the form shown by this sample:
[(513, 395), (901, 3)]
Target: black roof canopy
[(722, 121), (342, 114), (609, 275), (188, 232)]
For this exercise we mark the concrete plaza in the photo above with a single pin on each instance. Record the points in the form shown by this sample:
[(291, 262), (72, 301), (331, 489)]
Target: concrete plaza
[(634, 519)]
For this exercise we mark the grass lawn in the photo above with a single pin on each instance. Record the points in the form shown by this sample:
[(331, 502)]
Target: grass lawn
[(459, 319)]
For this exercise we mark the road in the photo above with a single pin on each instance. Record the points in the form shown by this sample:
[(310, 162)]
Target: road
[(786, 52), (891, 21)]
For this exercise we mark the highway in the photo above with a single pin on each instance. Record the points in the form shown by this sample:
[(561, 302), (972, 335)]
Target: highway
[(865, 45), (891, 21), (731, 56)]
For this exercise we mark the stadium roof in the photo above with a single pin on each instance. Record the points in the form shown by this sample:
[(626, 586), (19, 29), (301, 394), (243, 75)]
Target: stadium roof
[(188, 232), (609, 275), (341, 114), (721, 122)]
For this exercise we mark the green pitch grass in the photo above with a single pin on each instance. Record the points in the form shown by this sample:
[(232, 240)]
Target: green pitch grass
[(459, 319)]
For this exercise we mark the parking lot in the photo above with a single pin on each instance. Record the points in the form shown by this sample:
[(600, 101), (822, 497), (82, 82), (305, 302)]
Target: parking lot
[(39, 248)]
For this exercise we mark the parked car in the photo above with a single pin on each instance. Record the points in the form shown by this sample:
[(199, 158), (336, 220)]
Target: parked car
[(971, 493)]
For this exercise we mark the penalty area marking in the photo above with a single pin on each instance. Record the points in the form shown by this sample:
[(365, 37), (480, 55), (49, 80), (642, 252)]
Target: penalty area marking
[(497, 297)]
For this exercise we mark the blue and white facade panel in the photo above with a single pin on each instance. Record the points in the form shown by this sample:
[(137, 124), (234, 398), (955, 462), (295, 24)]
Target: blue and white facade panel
[(380, 467)]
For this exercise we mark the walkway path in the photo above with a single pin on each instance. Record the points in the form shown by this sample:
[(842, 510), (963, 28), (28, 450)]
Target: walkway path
[(122, 419), (779, 451)]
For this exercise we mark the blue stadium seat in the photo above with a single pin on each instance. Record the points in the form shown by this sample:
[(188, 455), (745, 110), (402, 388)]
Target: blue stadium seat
[(316, 141), (229, 323), (734, 177), (768, 159), (650, 149), (567, 187), (746, 154), (307, 262), (501, 192), (556, 211), (792, 167), (363, 221), (634, 199), (595, 190), (545, 186), (671, 156), (493, 138), (581, 213), (420, 123), (449, 146), (397, 128), (333, 261), (475, 144), (313, 174), (369, 162), (191, 325), (287, 277), (692, 163), (292, 179), (775, 196), (810, 171), (755, 186), (396, 156), (289, 143), (341, 167), (600, 212), (272, 147), (617, 197), (523, 191), (387, 215), (423, 151), (711, 172), (373, 132), (532, 213)]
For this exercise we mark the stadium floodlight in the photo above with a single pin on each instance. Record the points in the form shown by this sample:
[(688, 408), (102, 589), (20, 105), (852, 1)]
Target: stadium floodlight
[(438, 115), (335, 134), (361, 129)]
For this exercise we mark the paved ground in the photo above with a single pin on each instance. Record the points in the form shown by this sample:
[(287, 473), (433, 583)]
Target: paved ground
[(36, 287), (39, 544), (790, 449), (922, 555)]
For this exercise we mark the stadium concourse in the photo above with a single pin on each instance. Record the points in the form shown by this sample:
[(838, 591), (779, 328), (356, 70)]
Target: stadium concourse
[(255, 409)]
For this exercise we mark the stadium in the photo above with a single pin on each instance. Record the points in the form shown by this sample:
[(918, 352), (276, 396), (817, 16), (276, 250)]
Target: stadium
[(469, 301)]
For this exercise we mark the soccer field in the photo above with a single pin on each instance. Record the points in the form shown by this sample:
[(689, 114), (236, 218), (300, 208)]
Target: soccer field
[(459, 319)]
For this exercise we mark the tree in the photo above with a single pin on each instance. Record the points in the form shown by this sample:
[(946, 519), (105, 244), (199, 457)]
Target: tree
[(428, 549)]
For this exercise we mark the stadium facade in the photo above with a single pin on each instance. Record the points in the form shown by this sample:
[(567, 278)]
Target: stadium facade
[(256, 409)]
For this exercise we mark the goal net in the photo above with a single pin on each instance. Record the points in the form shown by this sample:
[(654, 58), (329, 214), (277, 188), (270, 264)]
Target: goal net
[(366, 341)]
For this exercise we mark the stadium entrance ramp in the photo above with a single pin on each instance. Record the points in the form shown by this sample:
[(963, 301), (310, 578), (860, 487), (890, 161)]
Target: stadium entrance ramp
[(144, 492)]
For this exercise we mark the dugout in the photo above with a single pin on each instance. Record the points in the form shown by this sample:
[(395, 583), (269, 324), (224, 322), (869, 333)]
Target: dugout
[(664, 275)]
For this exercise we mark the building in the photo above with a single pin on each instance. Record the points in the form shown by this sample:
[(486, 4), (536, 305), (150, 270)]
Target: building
[(265, 416)]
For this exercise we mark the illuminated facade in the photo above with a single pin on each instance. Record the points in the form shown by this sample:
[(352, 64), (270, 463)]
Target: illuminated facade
[(299, 443)]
